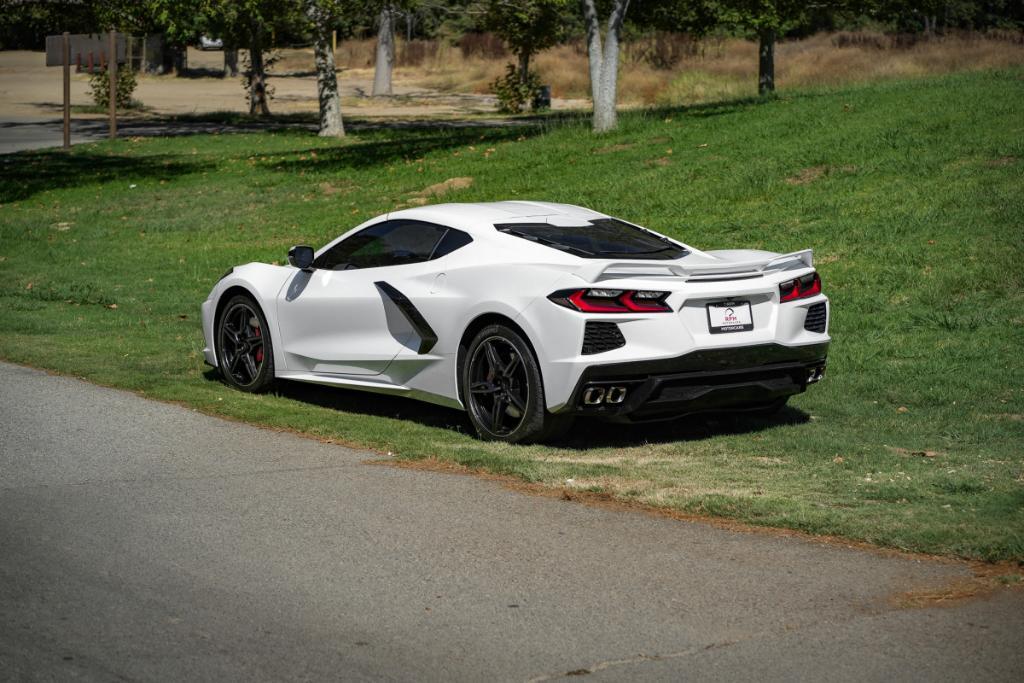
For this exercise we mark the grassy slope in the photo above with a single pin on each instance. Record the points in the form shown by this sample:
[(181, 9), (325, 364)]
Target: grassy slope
[(910, 193)]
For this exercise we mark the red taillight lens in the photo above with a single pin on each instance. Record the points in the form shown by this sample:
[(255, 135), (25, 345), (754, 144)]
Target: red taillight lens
[(800, 288), (597, 300)]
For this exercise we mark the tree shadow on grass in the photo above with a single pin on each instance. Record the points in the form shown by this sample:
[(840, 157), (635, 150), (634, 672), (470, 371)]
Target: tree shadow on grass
[(396, 144), (25, 174), (586, 433)]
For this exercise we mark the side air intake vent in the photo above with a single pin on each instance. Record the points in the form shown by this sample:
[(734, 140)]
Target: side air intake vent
[(600, 337), (816, 317)]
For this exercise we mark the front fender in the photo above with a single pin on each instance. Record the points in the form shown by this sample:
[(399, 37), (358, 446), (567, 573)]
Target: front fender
[(263, 282)]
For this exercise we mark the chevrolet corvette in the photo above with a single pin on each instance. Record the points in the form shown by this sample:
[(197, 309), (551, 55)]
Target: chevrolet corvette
[(525, 315)]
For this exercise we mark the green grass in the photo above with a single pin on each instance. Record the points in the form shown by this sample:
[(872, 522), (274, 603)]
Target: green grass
[(909, 192)]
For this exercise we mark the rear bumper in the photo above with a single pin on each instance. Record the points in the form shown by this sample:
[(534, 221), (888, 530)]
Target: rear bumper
[(708, 380)]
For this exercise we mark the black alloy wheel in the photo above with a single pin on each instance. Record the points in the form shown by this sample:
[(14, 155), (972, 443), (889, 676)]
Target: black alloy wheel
[(503, 391), (244, 351)]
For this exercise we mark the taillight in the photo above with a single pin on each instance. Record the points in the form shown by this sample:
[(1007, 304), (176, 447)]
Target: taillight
[(800, 288), (599, 300)]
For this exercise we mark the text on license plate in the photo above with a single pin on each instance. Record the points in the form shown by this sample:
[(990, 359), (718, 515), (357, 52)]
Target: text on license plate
[(730, 316)]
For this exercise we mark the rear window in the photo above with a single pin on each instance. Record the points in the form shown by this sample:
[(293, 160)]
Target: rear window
[(602, 238)]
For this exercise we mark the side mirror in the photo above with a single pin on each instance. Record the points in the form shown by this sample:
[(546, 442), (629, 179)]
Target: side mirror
[(301, 257)]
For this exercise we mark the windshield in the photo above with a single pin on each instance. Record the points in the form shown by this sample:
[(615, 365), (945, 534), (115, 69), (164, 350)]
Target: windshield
[(601, 238)]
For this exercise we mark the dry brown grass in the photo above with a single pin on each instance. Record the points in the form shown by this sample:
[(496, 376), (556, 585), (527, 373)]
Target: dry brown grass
[(708, 70)]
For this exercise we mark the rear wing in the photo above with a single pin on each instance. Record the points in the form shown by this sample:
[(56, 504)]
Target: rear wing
[(727, 270)]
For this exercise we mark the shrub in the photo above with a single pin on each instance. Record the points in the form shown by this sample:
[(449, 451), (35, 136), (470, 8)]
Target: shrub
[(512, 93), (99, 88)]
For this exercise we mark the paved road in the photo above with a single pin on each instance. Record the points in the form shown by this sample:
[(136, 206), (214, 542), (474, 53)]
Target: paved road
[(24, 133), (148, 542)]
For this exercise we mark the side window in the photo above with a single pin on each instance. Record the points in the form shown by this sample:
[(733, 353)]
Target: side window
[(452, 240), (390, 243)]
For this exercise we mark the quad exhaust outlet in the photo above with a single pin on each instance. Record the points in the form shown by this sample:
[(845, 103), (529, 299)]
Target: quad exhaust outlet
[(593, 396)]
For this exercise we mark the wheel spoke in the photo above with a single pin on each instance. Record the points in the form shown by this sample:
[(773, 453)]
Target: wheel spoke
[(517, 402), (253, 341), (231, 332), (233, 363), (511, 366), (499, 410), (250, 366), (484, 388), (493, 360)]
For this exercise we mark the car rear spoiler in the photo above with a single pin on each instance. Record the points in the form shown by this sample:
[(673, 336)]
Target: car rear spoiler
[(728, 270)]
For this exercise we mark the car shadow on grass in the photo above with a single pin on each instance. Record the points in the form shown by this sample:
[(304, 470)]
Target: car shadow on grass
[(586, 433)]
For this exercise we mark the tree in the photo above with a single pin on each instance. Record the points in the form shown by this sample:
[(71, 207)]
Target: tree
[(526, 26), (604, 61), (250, 24), (320, 14)]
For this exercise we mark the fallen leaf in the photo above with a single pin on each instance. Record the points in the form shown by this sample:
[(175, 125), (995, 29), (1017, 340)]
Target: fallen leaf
[(112, 307), (902, 409), (838, 460)]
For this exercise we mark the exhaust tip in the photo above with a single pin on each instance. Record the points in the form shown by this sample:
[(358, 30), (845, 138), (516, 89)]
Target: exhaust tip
[(616, 395), (815, 374), (593, 396)]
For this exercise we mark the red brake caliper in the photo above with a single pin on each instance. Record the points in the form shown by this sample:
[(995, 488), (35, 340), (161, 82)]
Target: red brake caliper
[(259, 351)]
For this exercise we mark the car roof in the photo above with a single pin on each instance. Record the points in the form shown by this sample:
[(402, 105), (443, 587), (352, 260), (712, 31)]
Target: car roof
[(477, 218)]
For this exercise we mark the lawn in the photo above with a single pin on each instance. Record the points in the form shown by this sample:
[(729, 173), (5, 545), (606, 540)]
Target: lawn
[(911, 194)]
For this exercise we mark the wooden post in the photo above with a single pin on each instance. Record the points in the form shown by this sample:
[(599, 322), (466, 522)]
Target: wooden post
[(334, 43), (112, 71), (66, 48)]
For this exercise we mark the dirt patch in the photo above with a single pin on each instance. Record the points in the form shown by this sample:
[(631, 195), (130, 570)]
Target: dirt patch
[(807, 175), (621, 147), (445, 187), (812, 173), (1001, 161), (438, 190), (918, 454), (329, 189), (660, 161), (986, 579)]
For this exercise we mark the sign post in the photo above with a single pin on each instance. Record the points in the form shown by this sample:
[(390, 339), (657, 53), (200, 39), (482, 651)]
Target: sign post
[(90, 52), (66, 41), (112, 72)]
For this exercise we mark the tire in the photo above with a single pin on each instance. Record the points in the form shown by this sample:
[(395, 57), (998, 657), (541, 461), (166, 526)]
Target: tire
[(503, 390), (245, 354)]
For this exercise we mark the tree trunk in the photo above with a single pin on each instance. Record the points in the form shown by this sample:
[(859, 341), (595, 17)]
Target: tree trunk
[(331, 124), (173, 58), (385, 52), (524, 67), (257, 76), (604, 61), (766, 62), (230, 62)]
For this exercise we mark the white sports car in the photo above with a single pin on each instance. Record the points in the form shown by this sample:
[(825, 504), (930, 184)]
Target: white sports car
[(525, 314)]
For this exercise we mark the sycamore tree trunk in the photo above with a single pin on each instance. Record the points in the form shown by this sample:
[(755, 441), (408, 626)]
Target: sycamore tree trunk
[(258, 96), (766, 62), (331, 124), (385, 52), (604, 61)]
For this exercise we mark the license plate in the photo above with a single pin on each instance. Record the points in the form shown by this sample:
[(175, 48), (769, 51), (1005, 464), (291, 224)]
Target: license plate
[(730, 316)]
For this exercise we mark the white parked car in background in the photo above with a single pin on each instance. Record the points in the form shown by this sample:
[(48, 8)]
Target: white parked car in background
[(526, 314), (208, 43)]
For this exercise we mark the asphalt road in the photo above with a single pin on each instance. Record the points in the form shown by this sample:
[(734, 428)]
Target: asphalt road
[(26, 133), (145, 541)]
